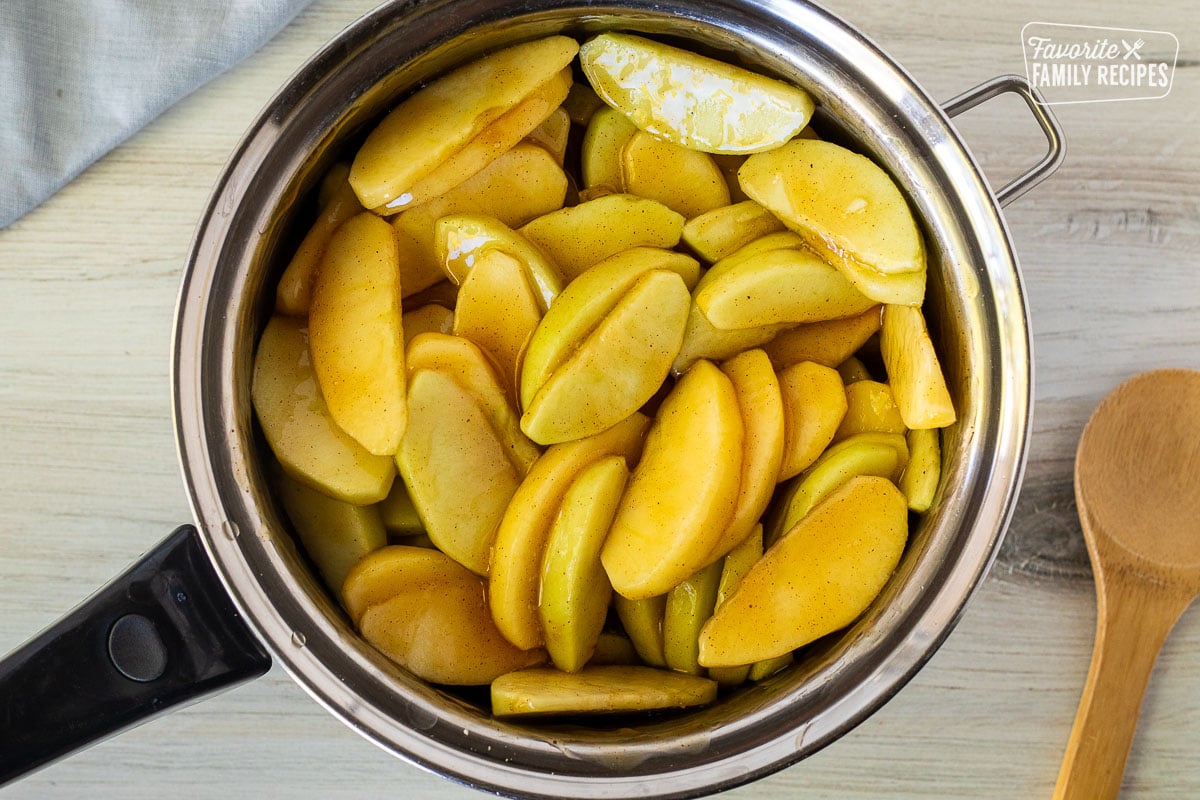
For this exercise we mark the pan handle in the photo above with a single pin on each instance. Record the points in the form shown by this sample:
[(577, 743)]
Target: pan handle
[(163, 633), (1041, 112)]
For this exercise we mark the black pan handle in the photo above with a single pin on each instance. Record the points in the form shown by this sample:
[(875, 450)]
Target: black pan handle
[(163, 633)]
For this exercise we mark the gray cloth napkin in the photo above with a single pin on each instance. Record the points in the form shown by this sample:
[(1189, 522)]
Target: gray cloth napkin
[(79, 76)]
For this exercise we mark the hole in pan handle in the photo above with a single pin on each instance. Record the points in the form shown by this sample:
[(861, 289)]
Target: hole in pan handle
[(1041, 113)]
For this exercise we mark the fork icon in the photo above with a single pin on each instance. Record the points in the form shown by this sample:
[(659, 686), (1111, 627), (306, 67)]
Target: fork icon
[(1132, 49)]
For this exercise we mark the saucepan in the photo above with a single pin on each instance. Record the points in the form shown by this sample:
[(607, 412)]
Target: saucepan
[(222, 598)]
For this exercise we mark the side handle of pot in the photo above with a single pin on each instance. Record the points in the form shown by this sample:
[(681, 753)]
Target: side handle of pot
[(163, 633), (1015, 84)]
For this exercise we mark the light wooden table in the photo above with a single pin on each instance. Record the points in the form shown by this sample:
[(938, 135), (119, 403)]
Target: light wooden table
[(1110, 248)]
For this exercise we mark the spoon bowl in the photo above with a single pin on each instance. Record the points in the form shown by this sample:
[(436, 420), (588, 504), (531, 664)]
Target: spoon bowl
[(1137, 487)]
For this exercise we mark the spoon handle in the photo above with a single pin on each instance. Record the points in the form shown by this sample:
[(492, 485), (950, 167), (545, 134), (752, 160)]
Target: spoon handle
[(1133, 619)]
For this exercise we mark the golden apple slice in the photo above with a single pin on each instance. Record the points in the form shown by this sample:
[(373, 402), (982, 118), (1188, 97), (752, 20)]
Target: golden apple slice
[(913, 369), (722, 231), (293, 294), (686, 181), (600, 152), (870, 408), (439, 119), (356, 333), (582, 235), (901, 288), (733, 569), (689, 605), (780, 286), (553, 134), (691, 100), (456, 467), (597, 690), (814, 403), (399, 515), (613, 648), (461, 239), (521, 184), (829, 342), (393, 570), (334, 533), (582, 103), (445, 636), (497, 309), (520, 544), (760, 403), (296, 422), (683, 491), (854, 370), (617, 368), (881, 454), (575, 589), (643, 621), (920, 479), (582, 306), (814, 581), (429, 318), (466, 363), (843, 204), (761, 670), (489, 144)]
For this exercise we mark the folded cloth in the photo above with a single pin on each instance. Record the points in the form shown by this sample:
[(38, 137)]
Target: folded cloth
[(77, 77)]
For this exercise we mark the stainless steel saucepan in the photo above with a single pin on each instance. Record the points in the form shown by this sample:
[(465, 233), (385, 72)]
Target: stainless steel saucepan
[(216, 602)]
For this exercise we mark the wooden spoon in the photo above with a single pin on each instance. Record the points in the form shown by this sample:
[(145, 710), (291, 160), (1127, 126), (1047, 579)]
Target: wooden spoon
[(1137, 485)]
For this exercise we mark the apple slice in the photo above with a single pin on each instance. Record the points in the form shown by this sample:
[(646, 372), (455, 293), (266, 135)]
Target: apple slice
[(497, 310), (691, 100), (829, 342), (597, 690), (643, 621), (575, 589), (686, 181), (924, 471), (293, 294), (439, 119), (683, 492), (553, 133), (298, 427), (461, 239), (814, 581), (913, 369), (814, 403), (689, 605), (399, 515), (617, 368), (870, 408), (722, 231), (392, 570), (733, 569), (600, 153)]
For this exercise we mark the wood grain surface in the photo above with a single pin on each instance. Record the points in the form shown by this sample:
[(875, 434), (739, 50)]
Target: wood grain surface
[(1110, 249)]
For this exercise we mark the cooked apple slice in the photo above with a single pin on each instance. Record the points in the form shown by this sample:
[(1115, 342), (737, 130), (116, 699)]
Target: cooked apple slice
[(399, 515), (582, 235), (854, 370), (446, 635), (298, 427), (686, 181), (582, 103), (722, 231), (689, 605), (489, 144), (643, 621), (356, 333), (829, 342), (461, 239), (814, 403), (497, 310), (760, 403), (520, 544), (392, 570), (870, 408), (913, 369), (428, 318), (449, 434), (575, 589), (613, 648), (294, 292), (553, 134), (588, 299), (597, 690), (733, 569), (600, 153), (682, 493), (439, 119), (920, 479), (780, 286), (814, 581), (691, 100), (334, 533), (521, 184), (617, 368), (844, 205)]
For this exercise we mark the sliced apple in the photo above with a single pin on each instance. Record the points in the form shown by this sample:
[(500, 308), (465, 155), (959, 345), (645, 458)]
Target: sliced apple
[(733, 569), (575, 589), (597, 690), (607, 133), (913, 370), (829, 342), (814, 403), (520, 544), (439, 119), (617, 368), (722, 231), (854, 370), (461, 239), (582, 235), (427, 318), (696, 102), (392, 570), (497, 309), (310, 446), (689, 605), (293, 294), (582, 103), (686, 181), (683, 492), (924, 471), (553, 134), (814, 581), (643, 622), (356, 333), (399, 515), (870, 408)]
